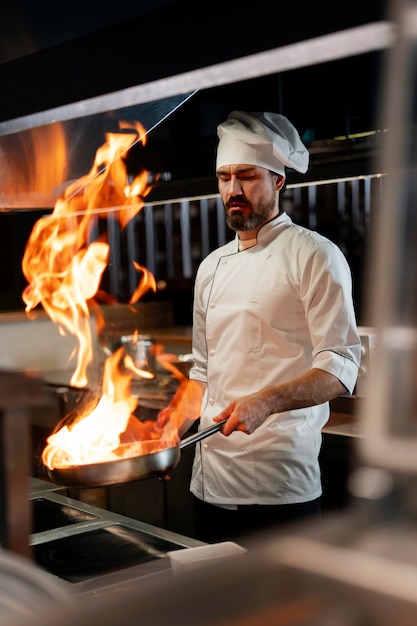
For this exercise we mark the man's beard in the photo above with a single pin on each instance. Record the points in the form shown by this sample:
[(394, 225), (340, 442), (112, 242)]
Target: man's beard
[(260, 214)]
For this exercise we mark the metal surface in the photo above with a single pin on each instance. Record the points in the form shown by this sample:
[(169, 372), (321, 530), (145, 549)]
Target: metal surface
[(81, 136), (341, 571), (390, 427), (157, 463), (338, 45), (68, 525)]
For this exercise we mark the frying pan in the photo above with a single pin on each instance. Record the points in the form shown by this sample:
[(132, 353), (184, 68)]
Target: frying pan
[(128, 469)]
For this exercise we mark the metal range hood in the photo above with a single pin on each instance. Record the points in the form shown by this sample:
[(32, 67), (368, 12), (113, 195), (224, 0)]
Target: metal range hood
[(148, 66), (162, 52)]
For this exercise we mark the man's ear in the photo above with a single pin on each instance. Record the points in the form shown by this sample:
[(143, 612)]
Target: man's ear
[(279, 182)]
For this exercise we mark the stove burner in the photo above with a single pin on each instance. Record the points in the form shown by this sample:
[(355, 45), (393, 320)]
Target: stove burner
[(48, 515), (93, 553)]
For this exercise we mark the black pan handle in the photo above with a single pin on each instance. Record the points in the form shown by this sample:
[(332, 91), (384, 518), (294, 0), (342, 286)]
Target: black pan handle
[(201, 434)]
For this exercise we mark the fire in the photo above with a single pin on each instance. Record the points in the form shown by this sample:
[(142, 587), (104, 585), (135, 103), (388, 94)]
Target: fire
[(64, 271), (140, 366), (147, 282), (111, 432), (94, 437), (28, 174)]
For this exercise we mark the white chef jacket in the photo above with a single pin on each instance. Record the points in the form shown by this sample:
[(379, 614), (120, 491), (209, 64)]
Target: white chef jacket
[(263, 316)]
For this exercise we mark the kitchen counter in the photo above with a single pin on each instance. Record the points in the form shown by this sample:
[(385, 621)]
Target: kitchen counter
[(348, 429), (344, 417)]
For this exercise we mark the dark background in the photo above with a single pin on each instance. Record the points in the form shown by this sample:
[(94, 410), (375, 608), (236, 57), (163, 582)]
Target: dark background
[(55, 53)]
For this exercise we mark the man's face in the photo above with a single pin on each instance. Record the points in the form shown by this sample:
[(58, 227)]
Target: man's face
[(249, 195)]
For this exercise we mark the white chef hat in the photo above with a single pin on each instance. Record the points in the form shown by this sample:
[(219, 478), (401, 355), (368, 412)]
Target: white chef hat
[(264, 139)]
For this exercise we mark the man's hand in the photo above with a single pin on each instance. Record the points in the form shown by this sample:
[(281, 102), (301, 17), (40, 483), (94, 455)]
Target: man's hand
[(245, 414)]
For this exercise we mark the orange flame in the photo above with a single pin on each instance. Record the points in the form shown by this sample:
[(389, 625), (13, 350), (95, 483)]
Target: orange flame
[(28, 174), (147, 282), (93, 438), (64, 273), (62, 270)]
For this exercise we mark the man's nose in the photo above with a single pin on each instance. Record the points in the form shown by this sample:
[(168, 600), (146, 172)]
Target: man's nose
[(234, 187)]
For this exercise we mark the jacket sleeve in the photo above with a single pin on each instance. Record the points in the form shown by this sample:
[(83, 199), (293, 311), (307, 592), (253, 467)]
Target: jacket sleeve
[(326, 291)]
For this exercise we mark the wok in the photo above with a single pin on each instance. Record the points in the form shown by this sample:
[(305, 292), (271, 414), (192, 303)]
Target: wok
[(156, 463)]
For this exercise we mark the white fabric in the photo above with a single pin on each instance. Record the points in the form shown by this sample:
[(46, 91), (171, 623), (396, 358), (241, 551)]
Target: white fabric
[(266, 140), (250, 331), (247, 243)]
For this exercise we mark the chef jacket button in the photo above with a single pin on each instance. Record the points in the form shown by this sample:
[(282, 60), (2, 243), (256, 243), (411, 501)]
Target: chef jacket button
[(268, 255), (211, 352), (212, 305), (224, 261), (211, 400)]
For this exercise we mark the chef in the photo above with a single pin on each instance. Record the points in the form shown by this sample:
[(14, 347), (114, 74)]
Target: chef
[(274, 340)]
